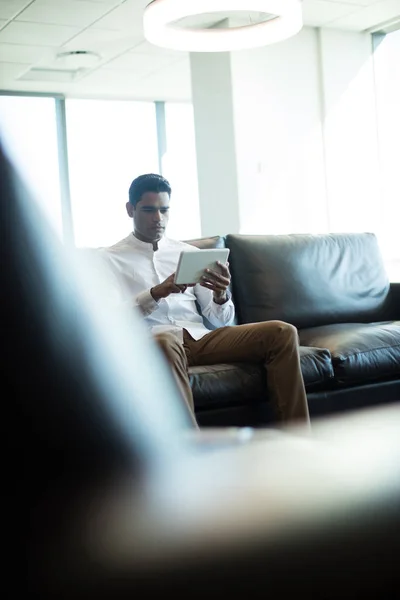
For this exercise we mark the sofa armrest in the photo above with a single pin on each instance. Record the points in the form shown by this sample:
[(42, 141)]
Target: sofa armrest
[(393, 308)]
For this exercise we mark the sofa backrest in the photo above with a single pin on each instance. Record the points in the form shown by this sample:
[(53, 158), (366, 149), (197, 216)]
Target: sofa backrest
[(308, 280), (207, 243)]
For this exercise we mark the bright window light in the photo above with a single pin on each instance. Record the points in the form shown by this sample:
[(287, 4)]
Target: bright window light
[(28, 132), (180, 168), (109, 144), (387, 81)]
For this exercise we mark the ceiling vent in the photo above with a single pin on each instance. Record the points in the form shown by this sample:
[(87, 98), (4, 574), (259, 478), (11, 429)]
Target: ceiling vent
[(78, 59), (57, 75)]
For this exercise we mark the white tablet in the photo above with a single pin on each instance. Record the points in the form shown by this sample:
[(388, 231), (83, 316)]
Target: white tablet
[(192, 264)]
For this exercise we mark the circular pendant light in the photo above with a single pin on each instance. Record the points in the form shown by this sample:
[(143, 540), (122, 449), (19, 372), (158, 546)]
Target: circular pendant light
[(160, 28)]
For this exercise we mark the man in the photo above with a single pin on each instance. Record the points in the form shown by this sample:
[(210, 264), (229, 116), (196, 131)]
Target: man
[(144, 264)]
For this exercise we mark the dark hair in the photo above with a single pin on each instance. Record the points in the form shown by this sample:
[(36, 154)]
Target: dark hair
[(147, 183)]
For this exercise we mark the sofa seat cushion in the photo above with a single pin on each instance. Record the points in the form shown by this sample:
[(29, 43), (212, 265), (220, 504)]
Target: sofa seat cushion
[(316, 366), (226, 384), (360, 351), (231, 384)]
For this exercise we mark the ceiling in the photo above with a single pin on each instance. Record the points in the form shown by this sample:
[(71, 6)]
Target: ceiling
[(32, 32)]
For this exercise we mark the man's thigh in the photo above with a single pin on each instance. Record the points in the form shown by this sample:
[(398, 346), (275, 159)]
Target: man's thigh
[(239, 343)]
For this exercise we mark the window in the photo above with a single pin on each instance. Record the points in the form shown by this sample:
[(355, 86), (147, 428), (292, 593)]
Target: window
[(28, 130), (387, 82), (109, 144), (180, 168)]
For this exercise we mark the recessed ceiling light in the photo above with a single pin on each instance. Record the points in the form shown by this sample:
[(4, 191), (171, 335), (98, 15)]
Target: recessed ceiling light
[(78, 59), (160, 28)]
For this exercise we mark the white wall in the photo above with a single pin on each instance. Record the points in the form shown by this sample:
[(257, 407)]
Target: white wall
[(215, 143), (315, 126), (387, 80), (350, 131), (278, 132)]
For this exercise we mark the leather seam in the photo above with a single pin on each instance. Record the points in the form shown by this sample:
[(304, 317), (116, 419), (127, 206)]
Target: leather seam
[(344, 357)]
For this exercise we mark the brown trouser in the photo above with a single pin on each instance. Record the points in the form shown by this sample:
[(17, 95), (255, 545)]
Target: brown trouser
[(273, 343)]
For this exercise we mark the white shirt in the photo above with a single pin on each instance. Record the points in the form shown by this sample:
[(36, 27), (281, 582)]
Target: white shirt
[(136, 268)]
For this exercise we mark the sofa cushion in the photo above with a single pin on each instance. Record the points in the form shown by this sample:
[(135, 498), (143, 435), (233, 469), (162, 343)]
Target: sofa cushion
[(316, 366), (308, 280), (360, 352), (228, 384)]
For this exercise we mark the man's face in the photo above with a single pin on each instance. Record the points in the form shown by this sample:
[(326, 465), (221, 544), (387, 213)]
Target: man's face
[(150, 216)]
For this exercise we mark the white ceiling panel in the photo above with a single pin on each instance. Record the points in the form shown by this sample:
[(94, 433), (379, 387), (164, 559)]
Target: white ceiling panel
[(319, 12), (57, 76), (127, 17), (93, 37), (370, 16), (110, 78), (9, 72), (130, 90), (112, 2), (140, 63), (146, 48), (171, 83), (108, 44), (36, 34), (69, 12), (3, 23), (10, 8), (106, 3), (16, 53), (356, 2)]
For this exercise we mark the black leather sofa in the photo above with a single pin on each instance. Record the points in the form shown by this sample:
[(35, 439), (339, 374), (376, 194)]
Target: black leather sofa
[(335, 290)]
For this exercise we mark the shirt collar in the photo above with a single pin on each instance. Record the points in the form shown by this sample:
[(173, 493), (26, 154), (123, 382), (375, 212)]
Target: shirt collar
[(145, 245)]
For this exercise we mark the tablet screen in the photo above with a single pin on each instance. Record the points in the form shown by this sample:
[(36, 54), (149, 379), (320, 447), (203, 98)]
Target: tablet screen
[(192, 264)]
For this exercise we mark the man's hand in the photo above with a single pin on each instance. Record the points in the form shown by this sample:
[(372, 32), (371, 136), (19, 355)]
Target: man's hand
[(167, 287), (217, 282)]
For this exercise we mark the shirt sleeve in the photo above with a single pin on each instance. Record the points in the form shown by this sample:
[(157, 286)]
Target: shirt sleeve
[(146, 303), (219, 315)]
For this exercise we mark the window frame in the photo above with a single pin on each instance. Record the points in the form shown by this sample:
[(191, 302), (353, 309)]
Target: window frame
[(68, 236)]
